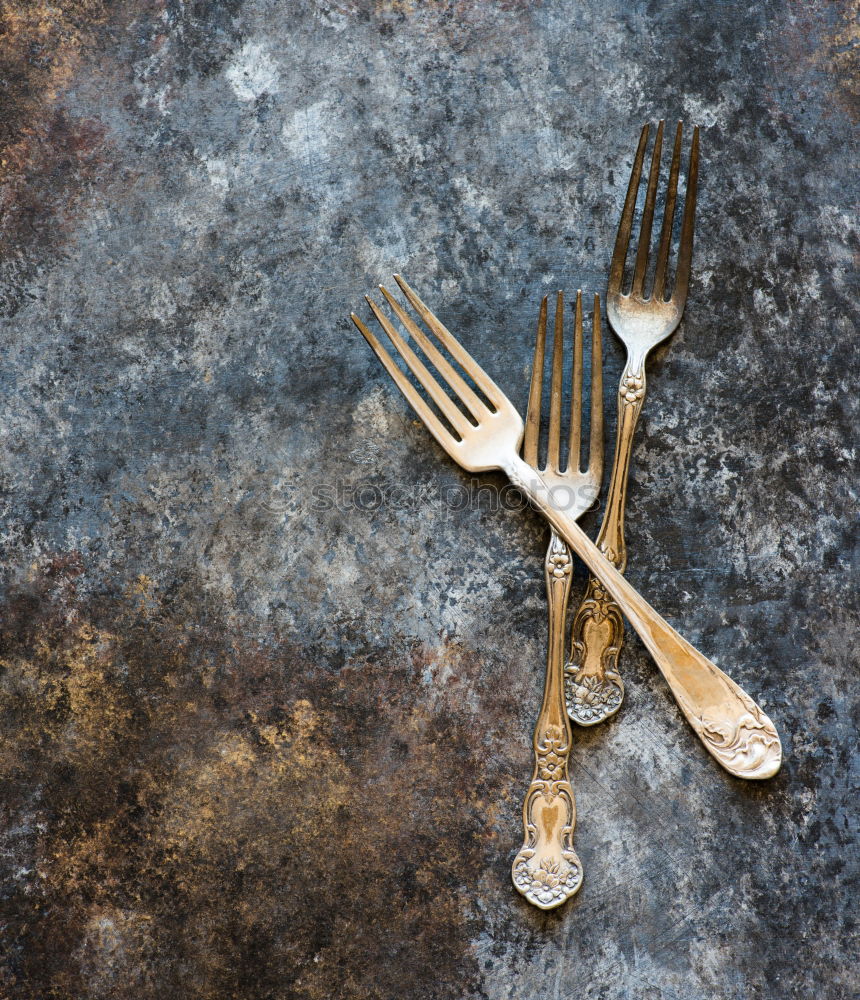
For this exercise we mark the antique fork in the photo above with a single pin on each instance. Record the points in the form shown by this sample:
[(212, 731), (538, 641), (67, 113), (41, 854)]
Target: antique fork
[(546, 870), (593, 685), (485, 433)]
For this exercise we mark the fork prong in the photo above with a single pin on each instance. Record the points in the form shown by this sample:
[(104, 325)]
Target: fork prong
[(481, 379), (595, 447), (435, 391), (555, 389), (445, 369), (685, 251), (619, 255), (647, 216), (532, 432), (668, 219), (431, 421), (573, 453)]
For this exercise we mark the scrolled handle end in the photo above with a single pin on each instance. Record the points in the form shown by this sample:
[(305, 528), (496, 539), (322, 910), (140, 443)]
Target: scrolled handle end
[(546, 882), (547, 870), (593, 689), (749, 748), (591, 699)]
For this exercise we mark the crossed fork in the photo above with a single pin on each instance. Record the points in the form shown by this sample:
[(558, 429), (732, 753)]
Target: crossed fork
[(482, 430)]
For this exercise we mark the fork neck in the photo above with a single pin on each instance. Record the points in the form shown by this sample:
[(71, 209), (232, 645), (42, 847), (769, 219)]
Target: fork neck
[(636, 361)]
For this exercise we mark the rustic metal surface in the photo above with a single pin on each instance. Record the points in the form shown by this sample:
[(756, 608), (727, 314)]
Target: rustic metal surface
[(234, 704)]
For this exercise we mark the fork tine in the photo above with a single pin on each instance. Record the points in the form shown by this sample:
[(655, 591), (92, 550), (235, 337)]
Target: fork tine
[(555, 388), (573, 454), (668, 220), (532, 433), (481, 379), (648, 216), (469, 399), (619, 255), (595, 448), (435, 391), (431, 421), (685, 251)]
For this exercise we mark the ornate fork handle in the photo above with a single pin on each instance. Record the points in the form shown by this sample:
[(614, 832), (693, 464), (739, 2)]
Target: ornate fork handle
[(734, 730), (593, 686), (546, 870)]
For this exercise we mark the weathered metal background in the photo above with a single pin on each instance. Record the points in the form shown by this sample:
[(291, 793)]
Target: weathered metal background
[(257, 746)]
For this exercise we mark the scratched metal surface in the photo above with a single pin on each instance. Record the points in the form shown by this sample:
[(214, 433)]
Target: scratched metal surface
[(262, 745)]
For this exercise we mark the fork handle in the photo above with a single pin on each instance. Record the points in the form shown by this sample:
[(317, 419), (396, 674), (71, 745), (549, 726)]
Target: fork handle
[(594, 689), (734, 730), (547, 871)]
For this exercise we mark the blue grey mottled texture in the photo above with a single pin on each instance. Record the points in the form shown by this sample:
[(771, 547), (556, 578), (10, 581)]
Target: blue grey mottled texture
[(257, 750)]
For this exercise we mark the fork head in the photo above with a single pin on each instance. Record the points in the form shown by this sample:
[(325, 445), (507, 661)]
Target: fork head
[(642, 319), (479, 432), (572, 488)]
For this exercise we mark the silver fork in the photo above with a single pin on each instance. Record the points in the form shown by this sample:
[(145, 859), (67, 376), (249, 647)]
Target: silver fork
[(593, 685), (546, 870), (485, 433)]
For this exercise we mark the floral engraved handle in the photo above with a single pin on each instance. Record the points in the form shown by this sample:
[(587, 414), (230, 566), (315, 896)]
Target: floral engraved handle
[(743, 746), (593, 686), (547, 871)]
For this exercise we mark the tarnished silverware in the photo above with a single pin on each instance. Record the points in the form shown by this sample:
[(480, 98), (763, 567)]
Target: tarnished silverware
[(547, 870), (593, 685), (485, 433)]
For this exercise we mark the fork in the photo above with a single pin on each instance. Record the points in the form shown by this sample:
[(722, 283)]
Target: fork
[(481, 434), (593, 685), (546, 870)]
